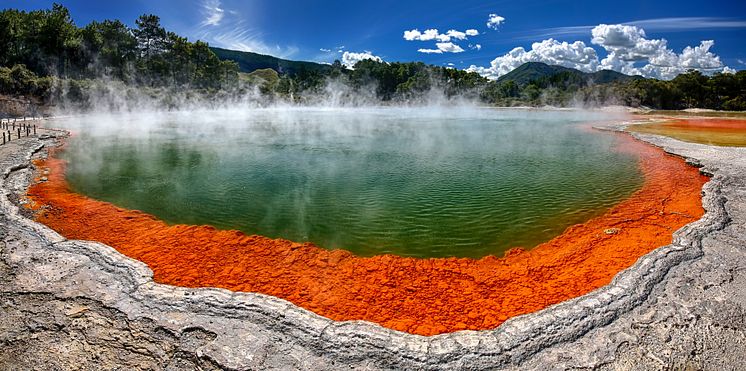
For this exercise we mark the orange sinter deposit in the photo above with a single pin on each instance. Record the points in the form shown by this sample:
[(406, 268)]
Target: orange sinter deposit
[(419, 296)]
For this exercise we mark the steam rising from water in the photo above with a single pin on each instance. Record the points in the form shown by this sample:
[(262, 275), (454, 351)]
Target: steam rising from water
[(110, 95), (428, 181)]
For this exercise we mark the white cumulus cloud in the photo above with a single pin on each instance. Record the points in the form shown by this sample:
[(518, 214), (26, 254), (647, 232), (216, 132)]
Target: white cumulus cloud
[(617, 35), (494, 20), (444, 41), (456, 34), (430, 51), (349, 59), (574, 55), (433, 34), (628, 50), (627, 43), (700, 57), (448, 47), (428, 35), (627, 46), (412, 35)]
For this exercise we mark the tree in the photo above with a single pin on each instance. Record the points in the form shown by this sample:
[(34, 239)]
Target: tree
[(11, 36), (151, 37), (58, 37), (531, 92), (693, 88), (110, 47)]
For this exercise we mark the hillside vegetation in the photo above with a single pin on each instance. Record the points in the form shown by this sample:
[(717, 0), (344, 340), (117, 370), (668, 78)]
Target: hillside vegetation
[(48, 43), (538, 83), (544, 74), (45, 56), (249, 62)]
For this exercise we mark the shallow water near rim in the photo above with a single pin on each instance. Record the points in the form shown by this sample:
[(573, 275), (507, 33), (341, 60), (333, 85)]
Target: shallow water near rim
[(410, 182)]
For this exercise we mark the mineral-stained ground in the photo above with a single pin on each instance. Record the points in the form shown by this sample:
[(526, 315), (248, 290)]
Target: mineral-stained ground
[(71, 304)]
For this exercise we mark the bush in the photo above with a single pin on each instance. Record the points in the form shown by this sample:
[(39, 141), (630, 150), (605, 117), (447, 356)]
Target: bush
[(19, 80), (735, 104)]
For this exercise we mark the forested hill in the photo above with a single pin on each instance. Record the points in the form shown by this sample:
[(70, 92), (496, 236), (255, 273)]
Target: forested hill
[(536, 83), (536, 71), (250, 62)]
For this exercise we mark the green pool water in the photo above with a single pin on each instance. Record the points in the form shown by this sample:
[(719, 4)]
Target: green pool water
[(411, 182)]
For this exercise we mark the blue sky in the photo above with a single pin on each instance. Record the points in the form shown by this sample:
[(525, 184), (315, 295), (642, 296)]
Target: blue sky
[(645, 37)]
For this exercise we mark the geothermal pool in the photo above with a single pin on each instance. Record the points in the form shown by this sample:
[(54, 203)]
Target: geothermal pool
[(201, 166), (410, 182), (710, 131)]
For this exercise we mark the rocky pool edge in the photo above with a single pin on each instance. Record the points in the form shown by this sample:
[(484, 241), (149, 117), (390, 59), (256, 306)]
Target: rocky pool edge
[(248, 330)]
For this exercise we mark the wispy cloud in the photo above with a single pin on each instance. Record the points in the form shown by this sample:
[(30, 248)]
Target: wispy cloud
[(679, 24), (226, 28), (238, 36), (688, 23), (212, 13), (553, 32)]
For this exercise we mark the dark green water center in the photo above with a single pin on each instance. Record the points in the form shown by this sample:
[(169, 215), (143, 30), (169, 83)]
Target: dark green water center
[(425, 183)]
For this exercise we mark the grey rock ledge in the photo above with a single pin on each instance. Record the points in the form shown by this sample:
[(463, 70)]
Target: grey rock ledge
[(71, 304)]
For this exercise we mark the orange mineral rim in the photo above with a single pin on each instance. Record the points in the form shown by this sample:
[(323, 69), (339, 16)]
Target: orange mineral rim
[(418, 296)]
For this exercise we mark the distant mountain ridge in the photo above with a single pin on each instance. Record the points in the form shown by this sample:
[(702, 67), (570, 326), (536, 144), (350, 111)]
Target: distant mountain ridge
[(534, 71), (523, 75), (250, 62)]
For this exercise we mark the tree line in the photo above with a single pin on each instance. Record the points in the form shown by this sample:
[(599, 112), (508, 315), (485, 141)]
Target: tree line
[(43, 43), (413, 80), (43, 50), (381, 81), (721, 91)]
